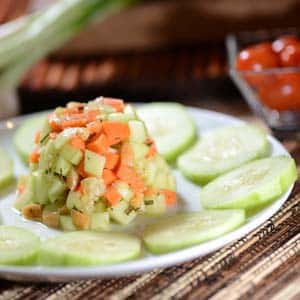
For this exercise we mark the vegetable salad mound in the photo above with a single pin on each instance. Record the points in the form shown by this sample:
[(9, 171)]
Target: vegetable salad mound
[(92, 164)]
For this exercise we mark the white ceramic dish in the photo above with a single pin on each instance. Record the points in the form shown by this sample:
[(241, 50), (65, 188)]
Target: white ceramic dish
[(205, 120)]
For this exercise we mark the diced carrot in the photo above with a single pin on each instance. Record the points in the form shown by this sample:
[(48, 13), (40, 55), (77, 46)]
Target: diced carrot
[(112, 196), (117, 104), (34, 156), (54, 122), (130, 176), (136, 201), (72, 110), (111, 160), (53, 135), (108, 176), (116, 132), (91, 115), (152, 151), (150, 191), (37, 137), (100, 145), (77, 142), (149, 141), (94, 127), (127, 155), (137, 184), (170, 196), (73, 123)]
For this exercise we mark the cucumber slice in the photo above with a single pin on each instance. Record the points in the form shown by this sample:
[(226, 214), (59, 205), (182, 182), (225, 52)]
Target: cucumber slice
[(222, 150), (89, 248), (6, 169), (18, 246), (188, 229), (170, 126), (252, 185), (24, 136)]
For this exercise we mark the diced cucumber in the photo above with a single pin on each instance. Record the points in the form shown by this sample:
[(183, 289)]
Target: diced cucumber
[(139, 151), (6, 169), (100, 207), (40, 187), (46, 129), (71, 154), (48, 157), (72, 179), (122, 213), (130, 112), (24, 136), (66, 223), (93, 163), (161, 180), (150, 172), (222, 150), (138, 132), (89, 248), (124, 190), (56, 189), (155, 205), (171, 183), (93, 187), (61, 140), (69, 133), (27, 196), (100, 221), (251, 185), (18, 246), (169, 124), (62, 166), (118, 117), (73, 200), (188, 229)]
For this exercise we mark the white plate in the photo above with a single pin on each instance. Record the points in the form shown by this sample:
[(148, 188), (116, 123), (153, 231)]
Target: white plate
[(206, 120)]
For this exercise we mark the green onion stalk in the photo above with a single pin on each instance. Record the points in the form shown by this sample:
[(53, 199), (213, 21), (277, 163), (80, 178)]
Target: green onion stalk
[(26, 40)]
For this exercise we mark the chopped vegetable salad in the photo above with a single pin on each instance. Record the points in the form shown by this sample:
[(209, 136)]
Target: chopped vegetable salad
[(92, 164)]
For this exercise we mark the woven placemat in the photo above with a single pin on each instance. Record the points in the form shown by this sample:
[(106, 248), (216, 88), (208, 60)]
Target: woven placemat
[(263, 265)]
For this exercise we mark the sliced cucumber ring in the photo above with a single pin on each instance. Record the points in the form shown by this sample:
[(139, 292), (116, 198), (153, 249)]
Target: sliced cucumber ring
[(89, 248), (18, 246), (252, 185), (24, 136), (6, 169), (222, 150), (169, 124), (188, 229)]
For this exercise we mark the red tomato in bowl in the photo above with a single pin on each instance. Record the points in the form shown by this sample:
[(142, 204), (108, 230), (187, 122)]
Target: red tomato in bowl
[(290, 55), (279, 44), (288, 49), (257, 58), (283, 94)]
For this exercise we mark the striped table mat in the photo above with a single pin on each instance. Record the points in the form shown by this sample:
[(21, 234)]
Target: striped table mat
[(263, 265)]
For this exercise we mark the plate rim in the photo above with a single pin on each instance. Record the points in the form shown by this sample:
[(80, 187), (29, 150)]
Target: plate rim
[(134, 267)]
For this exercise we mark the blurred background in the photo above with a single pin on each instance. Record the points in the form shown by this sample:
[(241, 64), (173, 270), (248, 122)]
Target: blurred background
[(150, 51)]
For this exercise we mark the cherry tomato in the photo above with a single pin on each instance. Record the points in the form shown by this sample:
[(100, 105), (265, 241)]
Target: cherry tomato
[(257, 58), (283, 94), (290, 55), (279, 44)]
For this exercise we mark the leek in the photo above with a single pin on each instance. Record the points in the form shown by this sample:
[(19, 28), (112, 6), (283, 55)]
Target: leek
[(27, 40)]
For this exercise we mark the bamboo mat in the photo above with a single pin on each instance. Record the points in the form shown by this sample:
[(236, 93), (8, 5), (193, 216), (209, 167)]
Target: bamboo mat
[(265, 264)]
